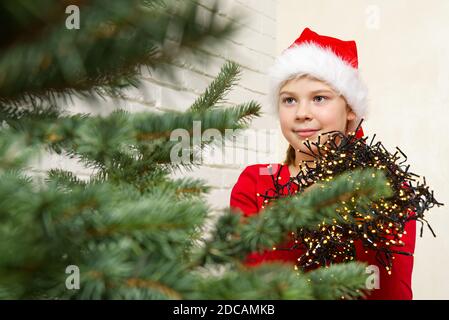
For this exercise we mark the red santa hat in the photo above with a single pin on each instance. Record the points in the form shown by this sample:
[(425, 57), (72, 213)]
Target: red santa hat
[(329, 59)]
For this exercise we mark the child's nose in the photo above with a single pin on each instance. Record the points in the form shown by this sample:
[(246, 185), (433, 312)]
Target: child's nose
[(303, 109)]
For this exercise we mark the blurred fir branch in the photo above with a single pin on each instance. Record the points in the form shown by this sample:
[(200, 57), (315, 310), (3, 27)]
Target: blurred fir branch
[(41, 60)]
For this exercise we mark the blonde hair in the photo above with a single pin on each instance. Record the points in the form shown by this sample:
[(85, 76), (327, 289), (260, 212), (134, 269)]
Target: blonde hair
[(290, 154)]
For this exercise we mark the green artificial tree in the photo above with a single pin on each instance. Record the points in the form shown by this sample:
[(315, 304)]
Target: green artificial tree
[(130, 230)]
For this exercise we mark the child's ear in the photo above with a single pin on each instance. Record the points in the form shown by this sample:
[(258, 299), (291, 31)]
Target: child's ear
[(350, 118), (351, 114)]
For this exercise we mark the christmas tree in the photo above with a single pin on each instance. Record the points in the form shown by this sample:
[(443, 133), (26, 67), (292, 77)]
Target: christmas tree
[(129, 231)]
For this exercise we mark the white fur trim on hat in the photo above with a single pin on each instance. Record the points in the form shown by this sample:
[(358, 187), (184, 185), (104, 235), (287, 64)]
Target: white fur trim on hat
[(324, 64)]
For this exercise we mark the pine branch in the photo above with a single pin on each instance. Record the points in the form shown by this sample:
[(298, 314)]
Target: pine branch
[(14, 153), (64, 179), (13, 115), (214, 94), (267, 281), (339, 281), (132, 141)]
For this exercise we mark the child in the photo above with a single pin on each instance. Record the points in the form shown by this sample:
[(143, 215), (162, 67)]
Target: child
[(316, 88)]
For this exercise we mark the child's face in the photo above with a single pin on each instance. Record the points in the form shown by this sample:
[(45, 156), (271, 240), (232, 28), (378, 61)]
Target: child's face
[(311, 104)]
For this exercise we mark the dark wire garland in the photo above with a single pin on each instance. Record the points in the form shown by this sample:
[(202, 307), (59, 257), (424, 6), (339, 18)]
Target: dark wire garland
[(382, 227)]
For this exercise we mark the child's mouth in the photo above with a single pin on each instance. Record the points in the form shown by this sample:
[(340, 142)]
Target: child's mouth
[(306, 134)]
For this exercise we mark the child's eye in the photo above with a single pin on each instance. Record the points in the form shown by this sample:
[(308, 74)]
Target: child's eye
[(288, 100), (320, 100)]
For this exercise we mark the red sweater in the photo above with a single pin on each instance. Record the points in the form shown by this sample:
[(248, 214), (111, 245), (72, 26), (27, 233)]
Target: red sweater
[(256, 179)]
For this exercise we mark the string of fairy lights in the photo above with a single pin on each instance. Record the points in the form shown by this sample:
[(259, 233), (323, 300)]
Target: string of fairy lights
[(380, 227)]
